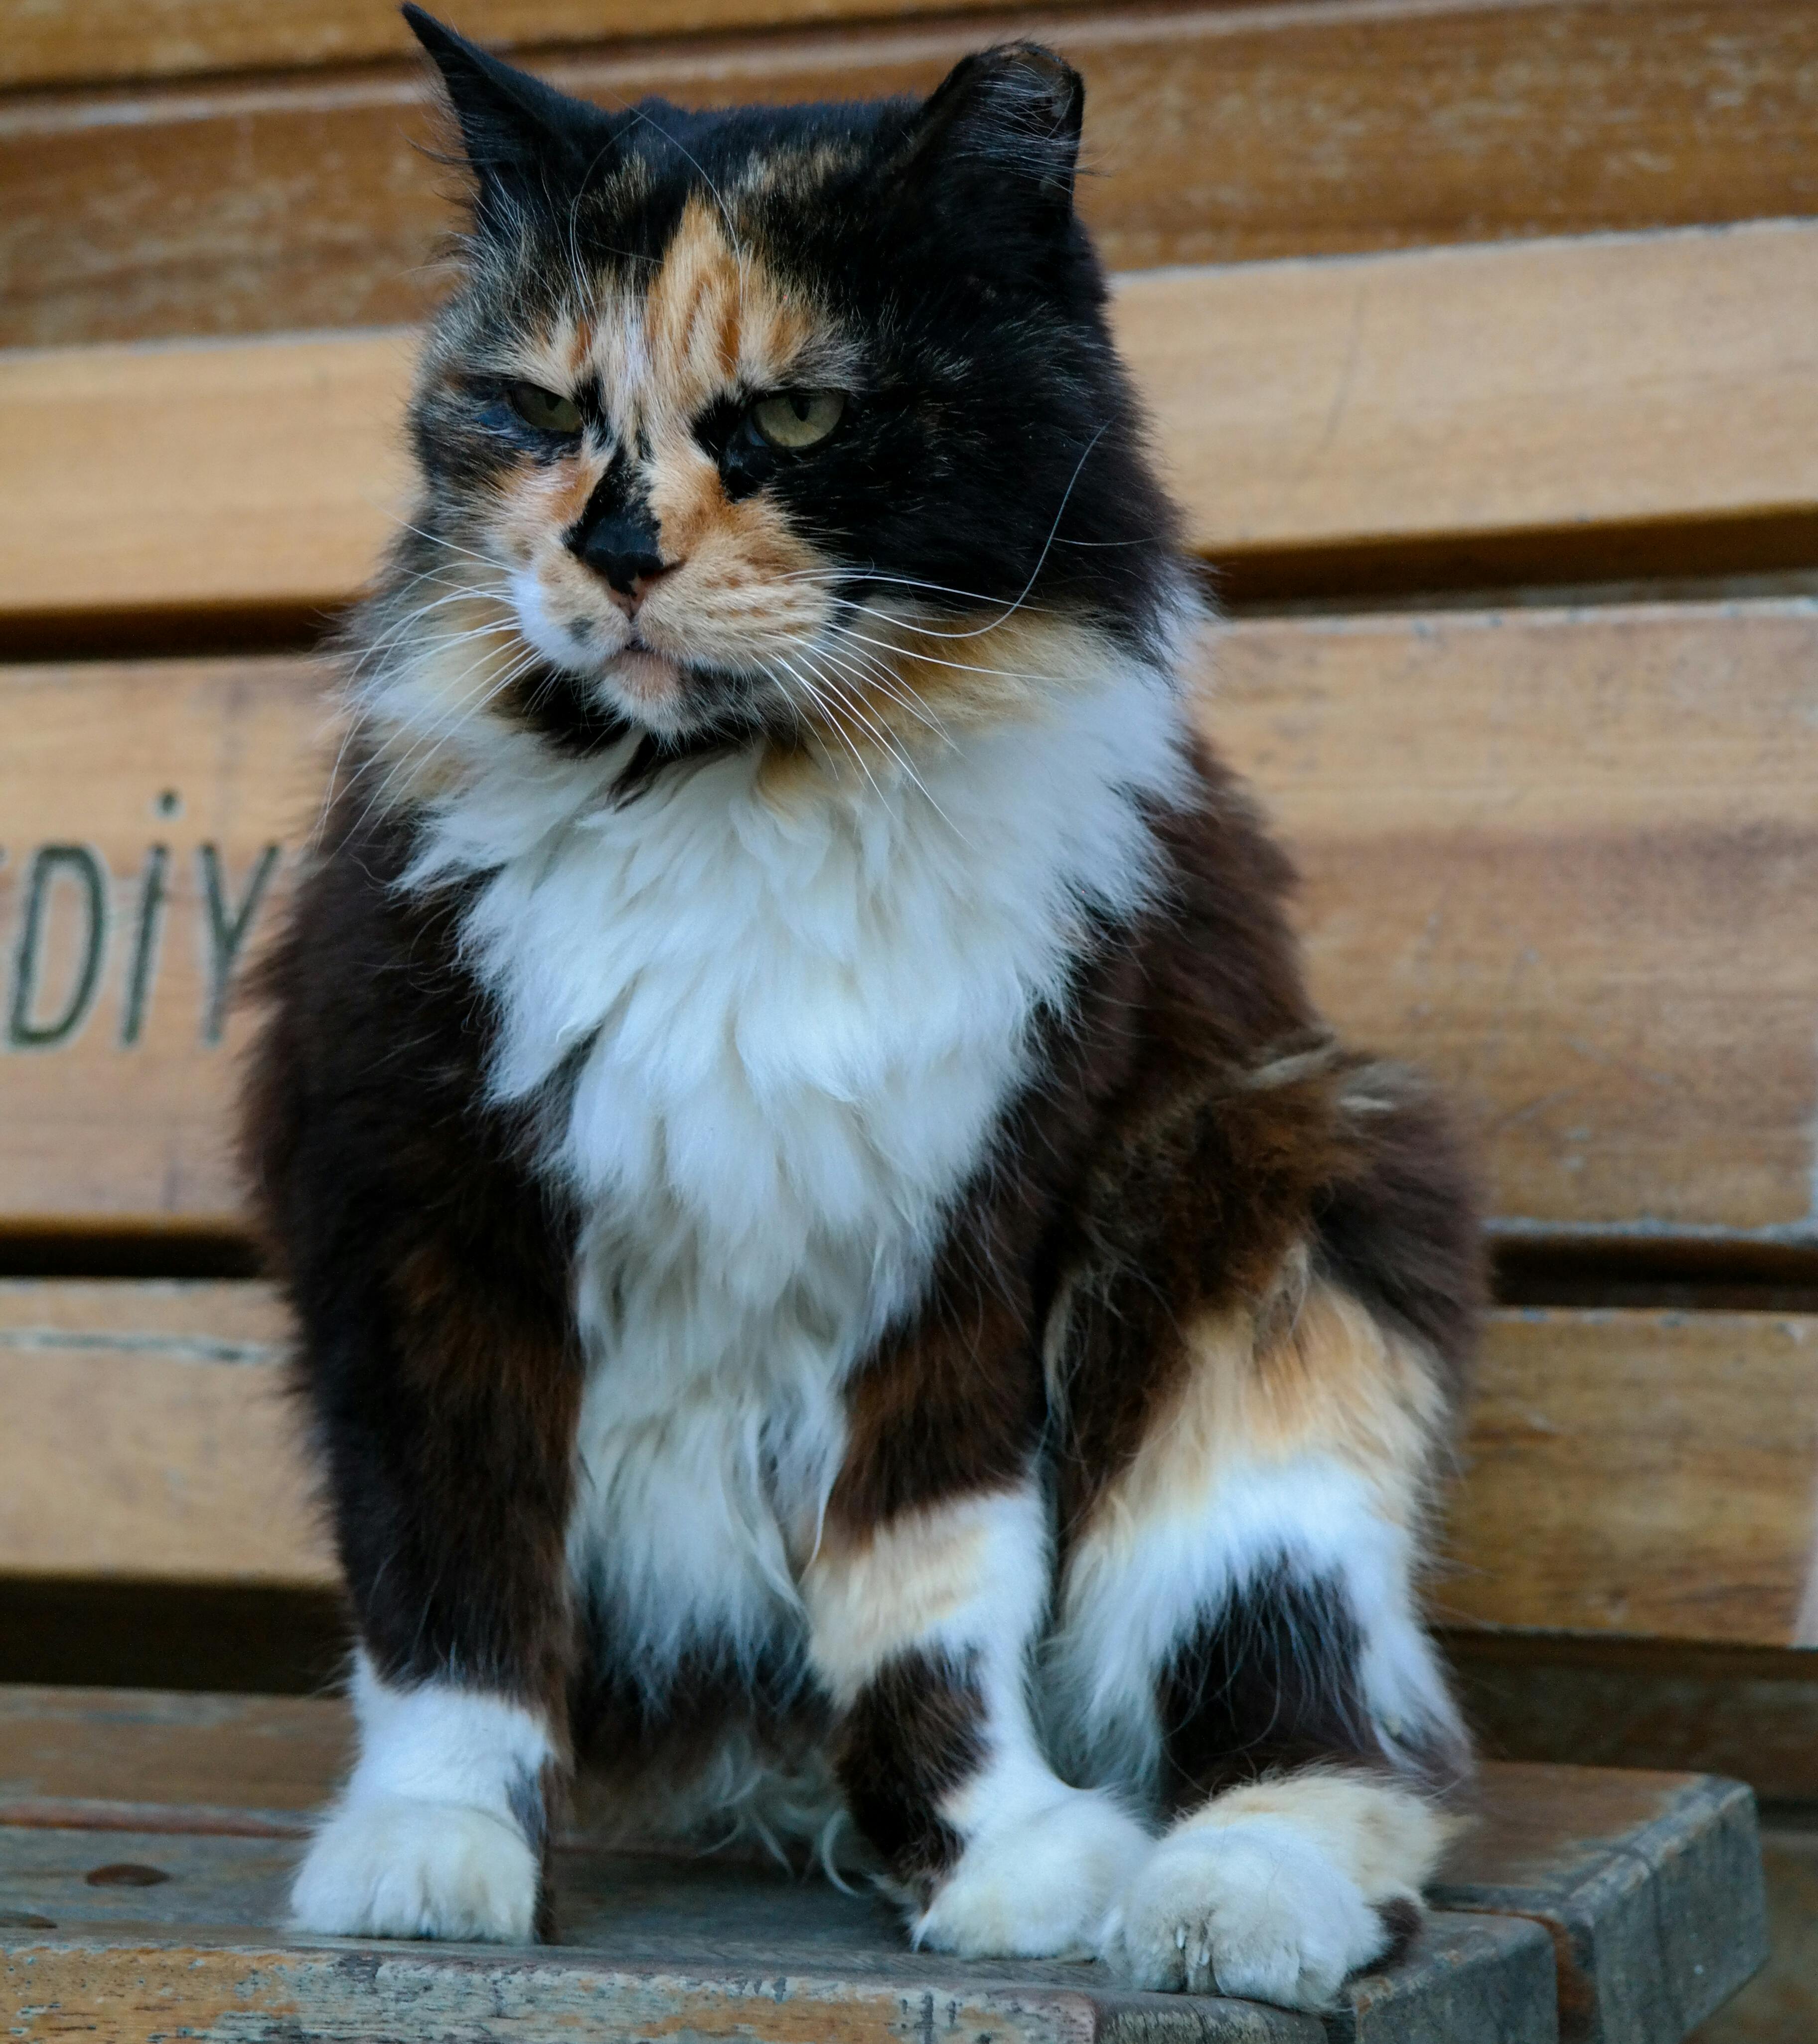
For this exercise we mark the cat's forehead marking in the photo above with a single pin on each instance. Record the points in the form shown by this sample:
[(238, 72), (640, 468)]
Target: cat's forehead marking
[(712, 318)]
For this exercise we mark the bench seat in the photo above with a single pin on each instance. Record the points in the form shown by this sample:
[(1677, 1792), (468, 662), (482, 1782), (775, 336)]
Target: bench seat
[(1612, 1907)]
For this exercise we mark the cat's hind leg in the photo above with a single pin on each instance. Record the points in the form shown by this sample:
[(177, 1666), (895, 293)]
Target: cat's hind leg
[(1237, 1627)]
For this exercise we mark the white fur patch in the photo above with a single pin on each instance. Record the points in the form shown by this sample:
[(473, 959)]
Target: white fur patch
[(1039, 1887), (1133, 1593), (392, 1867), (425, 1841), (787, 1024), (1254, 1909)]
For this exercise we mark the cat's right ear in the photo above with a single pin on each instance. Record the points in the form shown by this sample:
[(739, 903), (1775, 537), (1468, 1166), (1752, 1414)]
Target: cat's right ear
[(526, 144)]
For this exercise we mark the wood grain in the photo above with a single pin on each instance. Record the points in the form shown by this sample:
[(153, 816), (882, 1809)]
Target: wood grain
[(1566, 861), (147, 1435), (62, 42), (1648, 1887), (1641, 1473), (267, 474), (117, 1038), (152, 1747), (1627, 1474), (1577, 389), (1214, 133)]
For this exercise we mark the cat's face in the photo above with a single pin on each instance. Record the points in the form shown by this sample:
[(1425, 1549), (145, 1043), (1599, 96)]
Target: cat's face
[(777, 418)]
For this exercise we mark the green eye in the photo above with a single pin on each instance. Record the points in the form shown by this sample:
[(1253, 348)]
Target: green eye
[(798, 418), (543, 410)]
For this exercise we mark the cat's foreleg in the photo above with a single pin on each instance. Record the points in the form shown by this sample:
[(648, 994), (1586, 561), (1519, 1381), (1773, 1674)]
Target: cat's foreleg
[(445, 1402), (929, 1586)]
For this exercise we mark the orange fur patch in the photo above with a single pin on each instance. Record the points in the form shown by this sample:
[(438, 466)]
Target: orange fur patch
[(1313, 1372)]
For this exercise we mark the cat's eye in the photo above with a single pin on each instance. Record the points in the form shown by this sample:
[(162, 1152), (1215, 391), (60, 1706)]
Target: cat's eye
[(547, 410), (796, 419)]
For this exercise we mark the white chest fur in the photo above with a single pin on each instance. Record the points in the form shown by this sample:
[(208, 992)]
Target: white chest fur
[(788, 1028)]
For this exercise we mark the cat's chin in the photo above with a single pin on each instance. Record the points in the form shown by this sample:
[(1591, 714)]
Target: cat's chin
[(648, 687)]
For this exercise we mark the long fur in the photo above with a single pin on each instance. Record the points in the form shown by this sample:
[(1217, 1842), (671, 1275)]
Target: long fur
[(845, 1290)]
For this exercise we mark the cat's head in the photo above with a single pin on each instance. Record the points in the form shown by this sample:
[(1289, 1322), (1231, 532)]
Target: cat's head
[(774, 419)]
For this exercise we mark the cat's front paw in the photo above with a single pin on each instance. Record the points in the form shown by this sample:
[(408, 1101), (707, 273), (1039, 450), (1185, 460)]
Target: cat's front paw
[(393, 1867), (1038, 1888), (1251, 1909)]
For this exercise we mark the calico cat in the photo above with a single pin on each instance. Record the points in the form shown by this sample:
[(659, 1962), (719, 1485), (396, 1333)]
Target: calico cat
[(845, 1293)]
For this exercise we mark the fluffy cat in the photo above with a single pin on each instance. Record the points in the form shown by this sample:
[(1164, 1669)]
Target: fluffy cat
[(844, 1291)]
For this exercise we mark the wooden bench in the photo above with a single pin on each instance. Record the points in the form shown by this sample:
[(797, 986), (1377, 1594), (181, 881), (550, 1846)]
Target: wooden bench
[(1493, 404), (146, 1842)]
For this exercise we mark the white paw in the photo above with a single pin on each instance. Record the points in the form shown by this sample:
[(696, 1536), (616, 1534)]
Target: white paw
[(392, 1867), (1252, 1909), (1038, 1889)]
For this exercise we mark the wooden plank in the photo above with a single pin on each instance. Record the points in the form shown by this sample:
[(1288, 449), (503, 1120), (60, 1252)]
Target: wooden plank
[(1462, 394), (149, 1434), (152, 1747), (143, 1982), (1642, 1473), (1219, 134), (1646, 1889), (258, 475), (154, 816), (1627, 1473), (1580, 390), (1649, 1885), (1605, 1700), (63, 42), (1567, 861)]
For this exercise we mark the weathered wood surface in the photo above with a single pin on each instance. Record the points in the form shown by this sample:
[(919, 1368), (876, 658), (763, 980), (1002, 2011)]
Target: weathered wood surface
[(1644, 1473), (1650, 1884), (1603, 1864), (63, 42), (1627, 1474), (1607, 392), (1608, 1700), (1567, 861), (1217, 133), (147, 1434), (148, 822), (1449, 397)]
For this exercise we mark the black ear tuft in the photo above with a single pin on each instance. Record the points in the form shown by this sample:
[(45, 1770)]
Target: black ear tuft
[(527, 143), (1002, 129)]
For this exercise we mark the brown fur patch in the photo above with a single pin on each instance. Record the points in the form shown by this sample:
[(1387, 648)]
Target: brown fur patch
[(915, 1734)]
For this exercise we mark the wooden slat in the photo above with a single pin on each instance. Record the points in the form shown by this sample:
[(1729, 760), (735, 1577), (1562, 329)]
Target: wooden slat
[(147, 1435), (1627, 1474), (262, 474), (63, 42), (1568, 862), (1581, 389), (1642, 1473), (122, 1118), (1605, 1700), (1630, 1904), (1219, 134)]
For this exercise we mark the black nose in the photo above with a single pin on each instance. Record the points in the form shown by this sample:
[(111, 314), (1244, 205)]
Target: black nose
[(622, 547)]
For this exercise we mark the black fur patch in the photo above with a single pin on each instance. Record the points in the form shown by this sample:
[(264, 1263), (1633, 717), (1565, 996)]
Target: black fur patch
[(1270, 1683), (915, 1734)]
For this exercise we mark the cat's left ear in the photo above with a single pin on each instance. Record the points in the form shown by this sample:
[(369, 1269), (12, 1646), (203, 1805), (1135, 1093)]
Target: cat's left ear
[(526, 142), (1001, 132)]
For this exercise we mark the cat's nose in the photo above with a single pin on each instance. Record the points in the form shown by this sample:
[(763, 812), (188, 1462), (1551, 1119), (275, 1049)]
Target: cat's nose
[(623, 549)]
